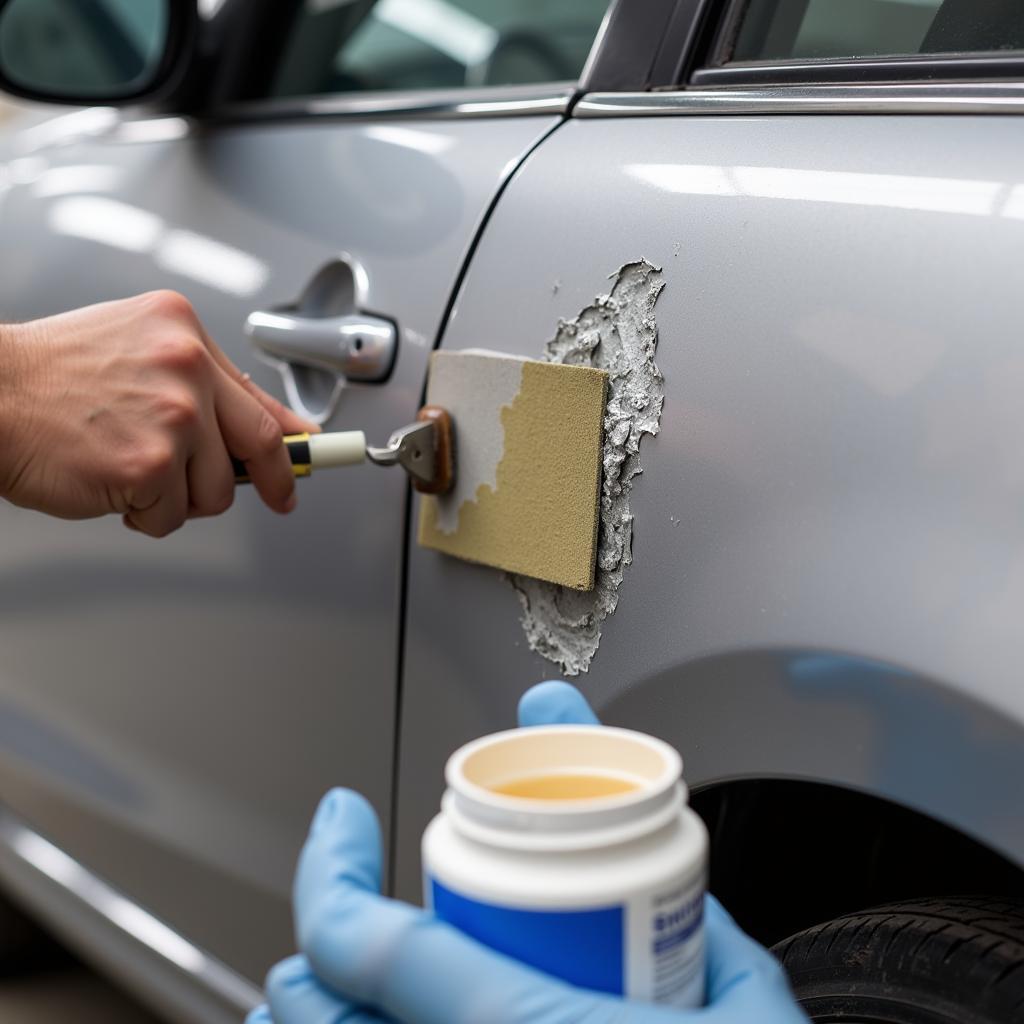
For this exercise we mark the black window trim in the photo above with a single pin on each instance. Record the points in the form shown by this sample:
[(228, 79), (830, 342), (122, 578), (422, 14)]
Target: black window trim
[(866, 69), (719, 72), (638, 40), (984, 84)]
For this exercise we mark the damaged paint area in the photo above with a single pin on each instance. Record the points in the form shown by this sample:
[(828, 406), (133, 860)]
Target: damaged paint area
[(617, 333)]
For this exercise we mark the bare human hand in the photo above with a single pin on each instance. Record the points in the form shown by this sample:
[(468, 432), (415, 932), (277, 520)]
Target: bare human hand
[(129, 407)]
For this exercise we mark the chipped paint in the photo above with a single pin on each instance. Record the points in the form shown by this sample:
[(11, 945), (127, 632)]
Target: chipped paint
[(478, 462), (617, 333)]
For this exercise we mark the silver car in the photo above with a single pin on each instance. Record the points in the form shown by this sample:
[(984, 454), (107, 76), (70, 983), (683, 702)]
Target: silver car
[(814, 589)]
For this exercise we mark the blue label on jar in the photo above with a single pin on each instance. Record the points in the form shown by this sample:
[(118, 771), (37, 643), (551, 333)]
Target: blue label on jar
[(583, 947), (678, 925)]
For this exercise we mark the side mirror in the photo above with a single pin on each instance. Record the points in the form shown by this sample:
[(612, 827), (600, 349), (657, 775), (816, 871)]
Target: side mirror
[(93, 51)]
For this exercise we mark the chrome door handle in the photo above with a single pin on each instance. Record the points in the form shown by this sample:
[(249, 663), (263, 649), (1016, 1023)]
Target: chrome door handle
[(356, 347)]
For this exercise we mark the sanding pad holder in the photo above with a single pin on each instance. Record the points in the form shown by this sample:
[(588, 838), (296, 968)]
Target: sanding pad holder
[(424, 449)]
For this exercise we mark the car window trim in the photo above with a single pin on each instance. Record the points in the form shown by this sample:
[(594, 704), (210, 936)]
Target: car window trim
[(719, 71), (907, 98), (546, 99), (639, 46), (689, 32), (227, 99), (913, 68), (636, 41)]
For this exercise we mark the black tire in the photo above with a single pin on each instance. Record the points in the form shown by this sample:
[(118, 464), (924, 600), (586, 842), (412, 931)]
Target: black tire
[(924, 961)]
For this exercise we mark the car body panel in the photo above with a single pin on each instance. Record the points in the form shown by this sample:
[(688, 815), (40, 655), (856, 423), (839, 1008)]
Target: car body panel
[(828, 557), (171, 712), (828, 563), (115, 935)]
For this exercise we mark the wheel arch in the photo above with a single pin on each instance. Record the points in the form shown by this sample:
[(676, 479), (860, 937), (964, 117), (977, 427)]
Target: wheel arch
[(808, 763)]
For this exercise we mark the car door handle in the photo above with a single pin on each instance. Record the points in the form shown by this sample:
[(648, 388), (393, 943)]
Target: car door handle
[(356, 346)]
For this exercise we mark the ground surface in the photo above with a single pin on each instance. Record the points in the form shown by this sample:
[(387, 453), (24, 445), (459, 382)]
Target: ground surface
[(66, 994)]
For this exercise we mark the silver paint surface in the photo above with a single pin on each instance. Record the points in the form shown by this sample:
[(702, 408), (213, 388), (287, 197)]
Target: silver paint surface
[(838, 473), (617, 332), (828, 548), (173, 710), (135, 946)]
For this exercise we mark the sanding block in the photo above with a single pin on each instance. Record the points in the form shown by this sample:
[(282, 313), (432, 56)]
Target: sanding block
[(528, 440), (523, 496)]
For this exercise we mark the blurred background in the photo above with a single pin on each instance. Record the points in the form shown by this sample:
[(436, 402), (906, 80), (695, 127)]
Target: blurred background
[(51, 986)]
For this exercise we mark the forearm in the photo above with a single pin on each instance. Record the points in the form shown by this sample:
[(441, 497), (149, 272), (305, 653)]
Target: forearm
[(9, 357), (15, 360)]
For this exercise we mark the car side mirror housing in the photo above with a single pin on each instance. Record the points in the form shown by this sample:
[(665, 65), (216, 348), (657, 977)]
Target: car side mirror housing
[(86, 52)]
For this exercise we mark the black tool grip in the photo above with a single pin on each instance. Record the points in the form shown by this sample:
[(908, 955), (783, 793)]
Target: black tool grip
[(298, 452)]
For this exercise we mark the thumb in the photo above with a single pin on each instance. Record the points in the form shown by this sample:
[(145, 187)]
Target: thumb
[(343, 846), (555, 703)]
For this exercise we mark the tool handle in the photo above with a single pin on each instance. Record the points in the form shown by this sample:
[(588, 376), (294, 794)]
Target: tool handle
[(316, 451)]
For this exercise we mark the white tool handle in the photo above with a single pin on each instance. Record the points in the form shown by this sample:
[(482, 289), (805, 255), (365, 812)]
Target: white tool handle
[(346, 448)]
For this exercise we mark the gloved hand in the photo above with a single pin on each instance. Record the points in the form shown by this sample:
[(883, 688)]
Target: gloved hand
[(369, 960)]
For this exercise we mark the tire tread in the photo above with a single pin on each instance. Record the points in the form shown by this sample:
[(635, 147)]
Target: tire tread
[(957, 958)]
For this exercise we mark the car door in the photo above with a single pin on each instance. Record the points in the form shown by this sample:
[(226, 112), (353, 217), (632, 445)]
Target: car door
[(170, 712), (826, 242)]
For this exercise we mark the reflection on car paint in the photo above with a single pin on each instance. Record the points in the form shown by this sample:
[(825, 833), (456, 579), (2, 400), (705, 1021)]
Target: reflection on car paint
[(186, 253)]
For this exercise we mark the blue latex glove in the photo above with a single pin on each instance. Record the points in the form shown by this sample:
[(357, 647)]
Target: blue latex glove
[(370, 960)]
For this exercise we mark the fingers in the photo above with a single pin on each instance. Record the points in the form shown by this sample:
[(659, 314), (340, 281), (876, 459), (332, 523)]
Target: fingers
[(400, 961), (296, 997), (261, 1015), (415, 969), (254, 436), (290, 422), (191, 478), (253, 424), (555, 703), (163, 506), (744, 979), (211, 480), (345, 836)]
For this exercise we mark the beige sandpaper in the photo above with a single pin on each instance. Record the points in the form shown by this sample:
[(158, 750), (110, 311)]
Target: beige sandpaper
[(527, 501)]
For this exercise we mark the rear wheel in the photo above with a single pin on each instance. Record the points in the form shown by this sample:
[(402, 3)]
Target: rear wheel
[(925, 961)]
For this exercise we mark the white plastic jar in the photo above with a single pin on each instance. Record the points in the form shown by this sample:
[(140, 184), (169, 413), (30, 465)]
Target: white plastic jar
[(605, 891)]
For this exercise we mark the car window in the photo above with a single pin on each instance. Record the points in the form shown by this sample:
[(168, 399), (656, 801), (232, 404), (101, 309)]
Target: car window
[(810, 29), (357, 45)]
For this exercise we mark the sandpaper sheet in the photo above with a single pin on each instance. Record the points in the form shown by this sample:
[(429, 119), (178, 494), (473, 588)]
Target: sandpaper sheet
[(527, 465)]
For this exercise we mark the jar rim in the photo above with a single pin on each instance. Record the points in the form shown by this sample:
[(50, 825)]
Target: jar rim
[(477, 809)]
